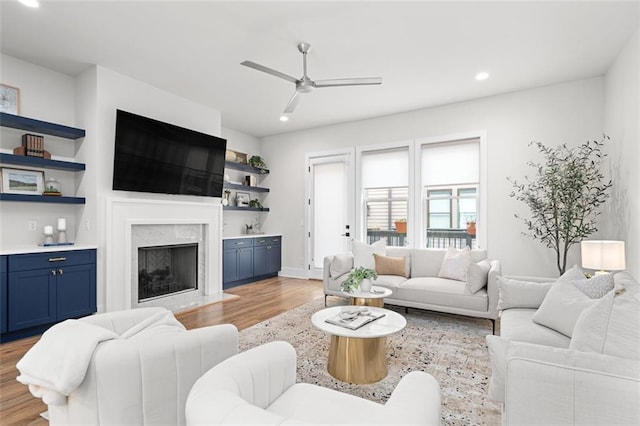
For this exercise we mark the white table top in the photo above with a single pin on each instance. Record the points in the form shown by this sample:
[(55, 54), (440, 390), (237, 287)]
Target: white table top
[(391, 323), (385, 292)]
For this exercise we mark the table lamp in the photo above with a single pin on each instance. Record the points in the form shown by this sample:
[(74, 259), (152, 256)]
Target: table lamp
[(603, 256)]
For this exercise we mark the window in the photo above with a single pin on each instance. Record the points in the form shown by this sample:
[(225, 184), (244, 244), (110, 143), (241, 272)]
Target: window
[(450, 178), (385, 194)]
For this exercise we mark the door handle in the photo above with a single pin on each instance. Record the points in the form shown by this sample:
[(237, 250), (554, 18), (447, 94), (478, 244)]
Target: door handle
[(346, 234)]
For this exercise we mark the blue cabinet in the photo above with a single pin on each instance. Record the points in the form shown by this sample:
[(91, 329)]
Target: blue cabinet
[(3, 294), (45, 288), (249, 259)]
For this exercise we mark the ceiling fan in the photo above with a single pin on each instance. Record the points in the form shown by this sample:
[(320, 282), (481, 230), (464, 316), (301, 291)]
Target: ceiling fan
[(305, 84)]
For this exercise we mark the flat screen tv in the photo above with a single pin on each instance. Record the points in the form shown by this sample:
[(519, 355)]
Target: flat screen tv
[(152, 156)]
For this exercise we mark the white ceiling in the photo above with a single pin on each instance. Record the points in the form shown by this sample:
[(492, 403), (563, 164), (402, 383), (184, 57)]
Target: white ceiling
[(426, 52)]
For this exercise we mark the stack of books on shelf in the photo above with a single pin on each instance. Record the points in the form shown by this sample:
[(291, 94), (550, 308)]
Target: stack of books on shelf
[(33, 144)]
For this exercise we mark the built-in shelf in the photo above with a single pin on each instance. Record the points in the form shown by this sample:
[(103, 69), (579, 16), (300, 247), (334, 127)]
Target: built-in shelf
[(245, 187), (42, 199), (24, 160), (39, 126), (246, 209), (245, 168)]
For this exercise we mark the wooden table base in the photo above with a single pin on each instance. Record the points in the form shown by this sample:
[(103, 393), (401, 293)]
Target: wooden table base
[(368, 301), (356, 360)]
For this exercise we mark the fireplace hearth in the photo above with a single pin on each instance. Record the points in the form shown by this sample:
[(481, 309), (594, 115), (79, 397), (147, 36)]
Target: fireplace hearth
[(167, 270)]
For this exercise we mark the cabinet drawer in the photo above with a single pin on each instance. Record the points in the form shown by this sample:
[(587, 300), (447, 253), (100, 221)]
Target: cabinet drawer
[(237, 243), (267, 241), (31, 261)]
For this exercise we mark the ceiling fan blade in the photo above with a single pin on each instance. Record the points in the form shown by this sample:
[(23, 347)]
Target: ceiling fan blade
[(293, 102), (349, 82), (269, 71)]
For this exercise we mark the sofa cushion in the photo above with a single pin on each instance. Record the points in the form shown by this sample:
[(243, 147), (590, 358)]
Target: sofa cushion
[(477, 275), (388, 265), (517, 324), (340, 265), (610, 326), (477, 255), (443, 292), (596, 286), (426, 262), (363, 253), (514, 293), (455, 264), (389, 281), (561, 307)]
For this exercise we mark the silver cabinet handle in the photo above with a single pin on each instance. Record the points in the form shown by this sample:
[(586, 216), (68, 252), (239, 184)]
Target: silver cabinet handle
[(53, 272), (60, 272), (57, 259)]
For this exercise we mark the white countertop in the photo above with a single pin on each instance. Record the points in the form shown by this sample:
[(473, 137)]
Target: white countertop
[(31, 248), (251, 236)]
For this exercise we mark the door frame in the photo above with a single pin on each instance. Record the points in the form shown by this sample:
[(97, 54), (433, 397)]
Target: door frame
[(314, 156)]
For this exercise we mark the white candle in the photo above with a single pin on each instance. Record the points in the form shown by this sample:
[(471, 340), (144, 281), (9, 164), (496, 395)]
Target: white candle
[(62, 224), (48, 230)]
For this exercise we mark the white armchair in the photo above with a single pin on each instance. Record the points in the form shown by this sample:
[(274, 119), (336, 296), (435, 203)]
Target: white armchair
[(259, 387), (143, 379)]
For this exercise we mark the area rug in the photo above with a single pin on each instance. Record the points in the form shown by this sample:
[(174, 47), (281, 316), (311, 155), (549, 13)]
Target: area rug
[(452, 348)]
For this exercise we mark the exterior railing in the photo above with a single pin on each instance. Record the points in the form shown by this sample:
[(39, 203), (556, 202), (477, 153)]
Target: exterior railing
[(436, 238)]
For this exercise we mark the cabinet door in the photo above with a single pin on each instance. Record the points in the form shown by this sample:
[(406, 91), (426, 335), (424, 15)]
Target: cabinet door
[(259, 260), (229, 266), (273, 258), (31, 298), (76, 291), (3, 294), (245, 263)]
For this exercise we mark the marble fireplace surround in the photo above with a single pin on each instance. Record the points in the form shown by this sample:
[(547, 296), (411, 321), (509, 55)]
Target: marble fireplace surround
[(127, 215)]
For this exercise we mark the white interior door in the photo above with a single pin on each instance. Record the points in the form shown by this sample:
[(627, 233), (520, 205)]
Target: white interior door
[(330, 208)]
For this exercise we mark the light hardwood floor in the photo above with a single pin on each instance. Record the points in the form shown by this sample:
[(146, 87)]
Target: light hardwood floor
[(256, 302)]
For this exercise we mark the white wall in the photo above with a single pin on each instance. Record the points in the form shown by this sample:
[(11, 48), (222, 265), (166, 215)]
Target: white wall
[(621, 123), (50, 96), (570, 112)]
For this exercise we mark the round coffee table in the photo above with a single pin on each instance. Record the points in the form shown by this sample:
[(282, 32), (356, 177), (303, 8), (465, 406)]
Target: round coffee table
[(375, 297), (359, 356)]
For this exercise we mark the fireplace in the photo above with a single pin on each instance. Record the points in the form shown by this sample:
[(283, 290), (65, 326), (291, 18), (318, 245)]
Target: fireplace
[(167, 270)]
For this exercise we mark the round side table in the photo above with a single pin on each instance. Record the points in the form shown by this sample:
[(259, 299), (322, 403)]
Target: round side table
[(374, 298)]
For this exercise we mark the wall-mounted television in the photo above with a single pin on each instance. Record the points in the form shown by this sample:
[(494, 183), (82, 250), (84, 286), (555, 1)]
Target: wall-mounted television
[(153, 156)]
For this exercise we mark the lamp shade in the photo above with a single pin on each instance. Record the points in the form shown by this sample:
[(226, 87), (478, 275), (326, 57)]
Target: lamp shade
[(603, 255)]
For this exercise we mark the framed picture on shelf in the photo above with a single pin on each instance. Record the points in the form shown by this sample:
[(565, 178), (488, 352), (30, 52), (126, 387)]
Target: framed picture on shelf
[(9, 99), (242, 199), (236, 157), (18, 181)]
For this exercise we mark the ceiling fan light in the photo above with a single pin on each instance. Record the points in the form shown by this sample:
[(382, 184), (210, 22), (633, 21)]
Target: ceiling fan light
[(482, 76), (30, 3)]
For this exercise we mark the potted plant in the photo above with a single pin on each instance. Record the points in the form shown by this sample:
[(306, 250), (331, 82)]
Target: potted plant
[(401, 226), (564, 196), (257, 162), (471, 227), (359, 276)]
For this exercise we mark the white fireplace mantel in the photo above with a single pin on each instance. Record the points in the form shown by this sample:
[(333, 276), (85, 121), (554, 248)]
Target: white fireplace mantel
[(124, 213)]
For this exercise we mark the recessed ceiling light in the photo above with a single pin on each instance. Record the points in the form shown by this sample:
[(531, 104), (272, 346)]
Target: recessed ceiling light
[(30, 3), (284, 118), (482, 76)]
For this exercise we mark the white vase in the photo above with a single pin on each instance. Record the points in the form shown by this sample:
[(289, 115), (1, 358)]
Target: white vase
[(365, 285)]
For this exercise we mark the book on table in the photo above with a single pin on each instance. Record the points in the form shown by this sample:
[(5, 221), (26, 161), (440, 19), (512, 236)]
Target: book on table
[(352, 320)]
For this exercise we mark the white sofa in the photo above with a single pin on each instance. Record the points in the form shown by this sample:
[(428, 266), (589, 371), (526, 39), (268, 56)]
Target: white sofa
[(259, 387), (140, 380), (546, 377), (422, 288)]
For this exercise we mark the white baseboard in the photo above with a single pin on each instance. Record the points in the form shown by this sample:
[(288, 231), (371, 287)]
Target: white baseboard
[(294, 273)]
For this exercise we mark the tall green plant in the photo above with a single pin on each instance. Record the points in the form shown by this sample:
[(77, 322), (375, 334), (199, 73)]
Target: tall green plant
[(564, 196)]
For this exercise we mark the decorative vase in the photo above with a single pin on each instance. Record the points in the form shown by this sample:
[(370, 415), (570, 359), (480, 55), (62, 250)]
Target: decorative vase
[(365, 285)]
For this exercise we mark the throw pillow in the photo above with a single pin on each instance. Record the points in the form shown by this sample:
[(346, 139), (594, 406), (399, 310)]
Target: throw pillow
[(387, 265), (562, 306), (573, 273), (611, 326), (596, 286), (514, 293), (340, 265), (477, 275), (455, 264), (363, 253)]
